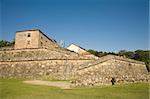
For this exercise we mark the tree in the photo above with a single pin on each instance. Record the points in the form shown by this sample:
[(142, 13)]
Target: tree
[(93, 52), (122, 52), (4, 43), (141, 55), (129, 54)]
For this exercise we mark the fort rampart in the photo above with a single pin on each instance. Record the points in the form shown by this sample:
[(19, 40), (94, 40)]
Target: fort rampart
[(102, 71), (62, 64), (44, 63)]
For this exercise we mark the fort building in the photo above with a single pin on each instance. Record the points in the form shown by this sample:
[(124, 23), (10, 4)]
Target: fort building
[(80, 50), (33, 39), (76, 48), (39, 57)]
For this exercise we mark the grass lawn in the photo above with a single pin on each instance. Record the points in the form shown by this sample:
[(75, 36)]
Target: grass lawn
[(15, 89)]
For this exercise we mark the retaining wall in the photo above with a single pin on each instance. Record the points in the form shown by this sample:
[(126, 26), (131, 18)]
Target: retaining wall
[(34, 63), (102, 71)]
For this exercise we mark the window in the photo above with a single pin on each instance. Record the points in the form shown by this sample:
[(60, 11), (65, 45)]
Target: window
[(41, 44), (28, 42), (29, 35)]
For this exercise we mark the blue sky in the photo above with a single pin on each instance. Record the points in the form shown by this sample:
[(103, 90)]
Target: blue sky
[(103, 25)]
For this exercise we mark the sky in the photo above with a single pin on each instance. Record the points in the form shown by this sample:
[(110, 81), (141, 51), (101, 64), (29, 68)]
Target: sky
[(102, 25)]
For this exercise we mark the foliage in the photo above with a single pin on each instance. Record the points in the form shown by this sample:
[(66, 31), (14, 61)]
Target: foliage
[(141, 55), (122, 52), (100, 53), (4, 43), (16, 89)]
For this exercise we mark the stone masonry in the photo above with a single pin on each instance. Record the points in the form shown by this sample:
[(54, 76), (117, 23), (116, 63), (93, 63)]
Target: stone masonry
[(103, 70), (31, 63), (47, 60)]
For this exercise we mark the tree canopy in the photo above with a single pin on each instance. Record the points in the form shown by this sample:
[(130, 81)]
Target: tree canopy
[(4, 43)]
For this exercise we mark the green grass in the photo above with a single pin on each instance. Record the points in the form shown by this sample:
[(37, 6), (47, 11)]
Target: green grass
[(15, 89)]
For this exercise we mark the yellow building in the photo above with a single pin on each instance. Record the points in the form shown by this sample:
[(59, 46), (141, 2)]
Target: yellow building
[(33, 39)]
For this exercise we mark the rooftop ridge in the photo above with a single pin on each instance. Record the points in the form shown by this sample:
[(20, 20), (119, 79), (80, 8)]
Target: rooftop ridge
[(29, 30)]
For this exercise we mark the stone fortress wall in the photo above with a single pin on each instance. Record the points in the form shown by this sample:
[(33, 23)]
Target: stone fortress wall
[(39, 54), (101, 72), (62, 64), (32, 63), (54, 62)]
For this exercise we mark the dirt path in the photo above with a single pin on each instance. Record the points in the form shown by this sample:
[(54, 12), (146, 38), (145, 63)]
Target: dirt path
[(62, 85)]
